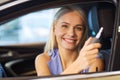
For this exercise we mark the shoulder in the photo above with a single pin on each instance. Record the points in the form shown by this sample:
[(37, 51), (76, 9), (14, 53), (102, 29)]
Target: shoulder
[(43, 57), (41, 64)]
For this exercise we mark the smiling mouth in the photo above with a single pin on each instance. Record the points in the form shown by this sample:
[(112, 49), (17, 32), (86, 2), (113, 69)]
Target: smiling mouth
[(70, 40)]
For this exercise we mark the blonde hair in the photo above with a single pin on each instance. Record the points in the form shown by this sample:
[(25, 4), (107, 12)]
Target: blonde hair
[(52, 43)]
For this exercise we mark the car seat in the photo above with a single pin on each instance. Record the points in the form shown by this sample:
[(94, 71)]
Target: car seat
[(21, 67), (102, 15)]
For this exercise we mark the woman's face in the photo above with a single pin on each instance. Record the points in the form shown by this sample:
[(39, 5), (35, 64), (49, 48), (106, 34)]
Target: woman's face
[(69, 30)]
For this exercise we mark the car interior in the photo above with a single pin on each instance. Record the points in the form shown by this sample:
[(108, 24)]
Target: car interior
[(103, 15), (18, 60), (21, 63)]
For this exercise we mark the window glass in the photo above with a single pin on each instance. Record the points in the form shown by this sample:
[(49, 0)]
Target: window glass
[(31, 28)]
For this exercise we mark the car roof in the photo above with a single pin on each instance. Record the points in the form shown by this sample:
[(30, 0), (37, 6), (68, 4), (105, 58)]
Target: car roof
[(10, 9)]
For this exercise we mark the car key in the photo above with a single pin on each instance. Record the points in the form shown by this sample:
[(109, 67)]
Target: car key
[(96, 38)]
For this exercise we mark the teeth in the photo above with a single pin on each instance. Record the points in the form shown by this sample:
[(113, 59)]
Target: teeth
[(69, 40)]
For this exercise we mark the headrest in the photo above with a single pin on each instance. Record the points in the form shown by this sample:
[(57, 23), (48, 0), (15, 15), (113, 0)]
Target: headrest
[(102, 15), (93, 21)]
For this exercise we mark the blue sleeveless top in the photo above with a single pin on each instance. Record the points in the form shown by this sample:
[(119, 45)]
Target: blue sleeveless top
[(55, 64)]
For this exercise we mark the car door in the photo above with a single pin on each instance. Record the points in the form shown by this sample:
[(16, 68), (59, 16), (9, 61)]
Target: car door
[(114, 64), (18, 59)]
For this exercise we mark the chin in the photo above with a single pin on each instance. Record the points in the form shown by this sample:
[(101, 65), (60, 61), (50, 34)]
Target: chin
[(70, 48)]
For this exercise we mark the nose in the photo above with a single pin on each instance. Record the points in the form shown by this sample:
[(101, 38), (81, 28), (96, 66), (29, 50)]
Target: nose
[(71, 32)]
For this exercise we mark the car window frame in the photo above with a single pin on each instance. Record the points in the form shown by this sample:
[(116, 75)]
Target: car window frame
[(114, 56), (40, 7)]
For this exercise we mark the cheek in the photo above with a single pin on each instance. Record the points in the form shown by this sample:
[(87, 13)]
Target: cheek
[(80, 35), (57, 33)]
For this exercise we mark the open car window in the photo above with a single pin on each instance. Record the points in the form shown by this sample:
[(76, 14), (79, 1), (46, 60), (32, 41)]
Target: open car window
[(34, 27)]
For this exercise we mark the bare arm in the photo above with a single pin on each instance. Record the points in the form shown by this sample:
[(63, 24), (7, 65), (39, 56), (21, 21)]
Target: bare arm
[(41, 65), (86, 58), (76, 68)]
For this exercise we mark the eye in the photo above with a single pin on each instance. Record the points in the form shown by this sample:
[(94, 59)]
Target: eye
[(64, 26), (80, 28)]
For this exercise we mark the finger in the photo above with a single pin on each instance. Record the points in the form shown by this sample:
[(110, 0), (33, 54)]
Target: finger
[(87, 52), (88, 41), (91, 57), (92, 46), (92, 52)]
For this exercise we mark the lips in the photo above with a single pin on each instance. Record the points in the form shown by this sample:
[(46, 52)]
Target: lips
[(69, 40)]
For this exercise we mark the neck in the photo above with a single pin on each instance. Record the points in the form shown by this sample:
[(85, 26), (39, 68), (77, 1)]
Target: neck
[(67, 56)]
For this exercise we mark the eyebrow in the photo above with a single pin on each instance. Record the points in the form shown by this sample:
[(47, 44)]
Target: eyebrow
[(75, 25), (79, 25), (65, 22)]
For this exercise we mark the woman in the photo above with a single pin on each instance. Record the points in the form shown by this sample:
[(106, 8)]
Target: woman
[(65, 51)]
